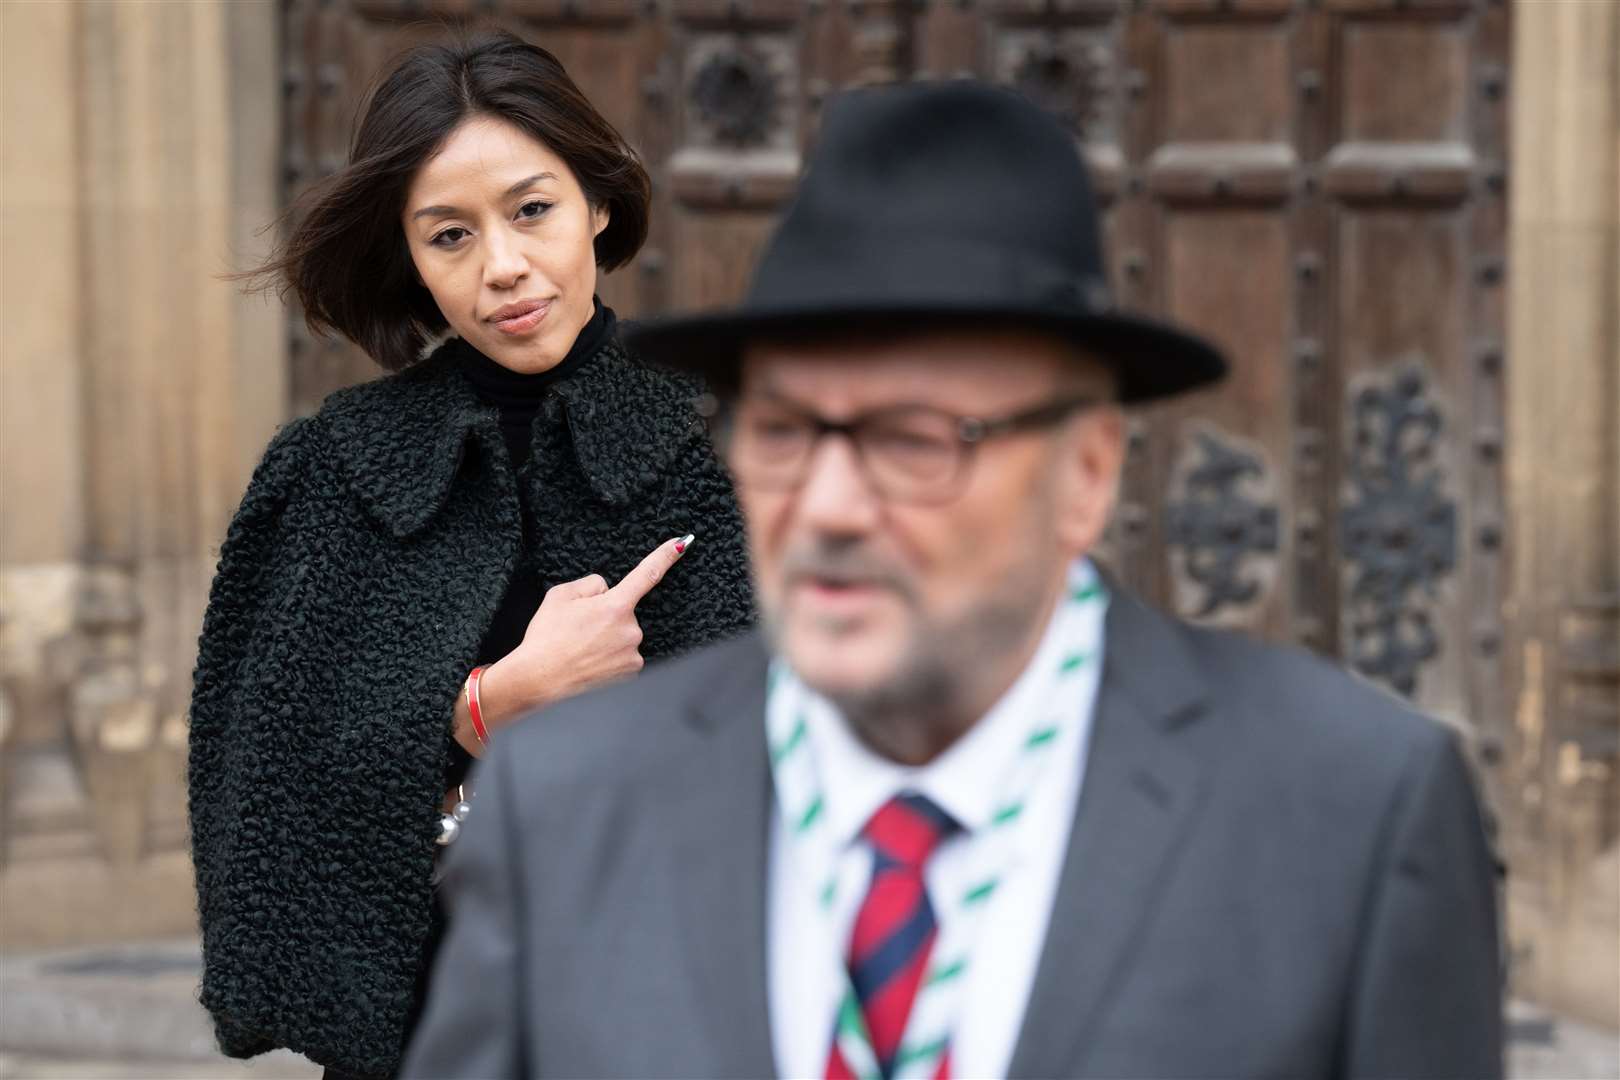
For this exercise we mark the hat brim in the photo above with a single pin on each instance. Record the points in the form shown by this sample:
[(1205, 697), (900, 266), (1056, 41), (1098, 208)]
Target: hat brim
[(1152, 360)]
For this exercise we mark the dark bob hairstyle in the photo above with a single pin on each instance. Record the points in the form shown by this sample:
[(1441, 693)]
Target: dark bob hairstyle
[(346, 257)]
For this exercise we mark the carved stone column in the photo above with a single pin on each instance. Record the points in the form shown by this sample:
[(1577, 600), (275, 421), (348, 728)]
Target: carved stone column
[(1564, 502), (113, 715), (140, 147)]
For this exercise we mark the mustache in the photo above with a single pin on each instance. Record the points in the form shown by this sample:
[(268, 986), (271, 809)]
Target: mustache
[(843, 565)]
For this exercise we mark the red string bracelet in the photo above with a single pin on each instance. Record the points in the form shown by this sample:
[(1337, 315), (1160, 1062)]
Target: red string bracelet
[(475, 707)]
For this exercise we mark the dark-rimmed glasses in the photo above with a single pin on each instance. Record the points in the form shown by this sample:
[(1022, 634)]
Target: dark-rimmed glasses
[(909, 453)]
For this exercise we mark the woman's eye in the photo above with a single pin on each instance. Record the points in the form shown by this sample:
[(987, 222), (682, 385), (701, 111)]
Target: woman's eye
[(533, 210), (449, 238)]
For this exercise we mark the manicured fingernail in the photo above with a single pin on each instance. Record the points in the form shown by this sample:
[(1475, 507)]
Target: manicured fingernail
[(682, 543)]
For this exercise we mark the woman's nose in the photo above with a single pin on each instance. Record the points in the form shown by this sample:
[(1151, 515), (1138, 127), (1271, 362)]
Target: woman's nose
[(504, 264)]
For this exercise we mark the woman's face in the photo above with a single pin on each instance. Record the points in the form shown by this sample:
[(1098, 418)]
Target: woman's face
[(501, 234)]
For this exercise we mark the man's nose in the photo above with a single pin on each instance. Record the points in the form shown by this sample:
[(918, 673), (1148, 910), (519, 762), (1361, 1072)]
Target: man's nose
[(836, 496), (504, 264)]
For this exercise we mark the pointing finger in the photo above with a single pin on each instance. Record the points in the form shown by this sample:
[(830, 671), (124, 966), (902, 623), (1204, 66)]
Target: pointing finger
[(640, 581)]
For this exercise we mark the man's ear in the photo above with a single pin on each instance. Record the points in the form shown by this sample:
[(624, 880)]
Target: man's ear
[(1093, 457)]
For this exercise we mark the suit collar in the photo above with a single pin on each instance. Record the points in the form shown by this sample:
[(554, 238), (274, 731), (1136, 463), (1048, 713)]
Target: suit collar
[(723, 705), (722, 858), (1142, 789), (1147, 659), (401, 439)]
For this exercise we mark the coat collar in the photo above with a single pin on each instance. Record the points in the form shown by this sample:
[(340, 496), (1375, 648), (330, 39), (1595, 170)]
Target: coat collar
[(1146, 781), (722, 824), (401, 439)]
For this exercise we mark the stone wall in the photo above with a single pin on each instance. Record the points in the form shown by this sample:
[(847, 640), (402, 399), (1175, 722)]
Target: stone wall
[(139, 162)]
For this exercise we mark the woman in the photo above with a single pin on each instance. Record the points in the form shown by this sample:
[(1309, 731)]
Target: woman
[(435, 553)]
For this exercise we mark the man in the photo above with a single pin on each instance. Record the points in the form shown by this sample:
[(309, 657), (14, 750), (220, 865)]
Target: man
[(967, 807)]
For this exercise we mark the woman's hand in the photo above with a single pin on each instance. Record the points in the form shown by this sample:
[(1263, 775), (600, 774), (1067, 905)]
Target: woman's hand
[(584, 634)]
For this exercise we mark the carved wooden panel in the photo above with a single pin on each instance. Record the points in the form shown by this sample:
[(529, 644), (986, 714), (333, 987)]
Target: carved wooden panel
[(1319, 184)]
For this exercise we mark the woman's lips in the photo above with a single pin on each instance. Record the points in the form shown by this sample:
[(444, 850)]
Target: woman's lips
[(520, 318)]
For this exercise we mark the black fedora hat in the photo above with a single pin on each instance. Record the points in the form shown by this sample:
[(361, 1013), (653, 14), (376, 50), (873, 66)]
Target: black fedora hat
[(942, 201)]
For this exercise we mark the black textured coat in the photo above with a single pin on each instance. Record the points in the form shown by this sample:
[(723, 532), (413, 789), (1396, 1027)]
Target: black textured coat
[(366, 562)]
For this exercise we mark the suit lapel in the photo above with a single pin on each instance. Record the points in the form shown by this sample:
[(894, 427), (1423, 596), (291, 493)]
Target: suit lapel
[(1140, 790), (720, 847)]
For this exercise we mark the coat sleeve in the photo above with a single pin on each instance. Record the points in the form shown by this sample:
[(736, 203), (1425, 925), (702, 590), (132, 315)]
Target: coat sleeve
[(242, 646), (1427, 1000), (239, 645), (289, 821), (472, 1025)]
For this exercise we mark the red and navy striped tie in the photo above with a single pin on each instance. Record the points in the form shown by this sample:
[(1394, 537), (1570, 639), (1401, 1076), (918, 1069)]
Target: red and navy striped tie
[(894, 929)]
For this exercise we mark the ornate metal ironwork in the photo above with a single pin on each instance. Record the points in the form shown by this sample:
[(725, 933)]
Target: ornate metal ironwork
[(736, 97), (1070, 82), (1398, 528), (1219, 527)]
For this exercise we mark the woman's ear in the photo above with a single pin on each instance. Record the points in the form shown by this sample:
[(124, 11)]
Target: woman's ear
[(600, 216)]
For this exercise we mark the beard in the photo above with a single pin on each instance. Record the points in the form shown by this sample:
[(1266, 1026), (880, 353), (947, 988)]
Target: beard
[(950, 668)]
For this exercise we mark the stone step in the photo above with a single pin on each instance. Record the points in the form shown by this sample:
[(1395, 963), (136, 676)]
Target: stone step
[(117, 1004)]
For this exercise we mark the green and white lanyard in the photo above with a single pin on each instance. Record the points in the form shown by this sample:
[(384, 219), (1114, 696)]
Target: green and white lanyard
[(1070, 677)]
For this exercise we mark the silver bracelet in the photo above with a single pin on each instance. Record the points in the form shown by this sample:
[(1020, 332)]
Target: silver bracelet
[(450, 824)]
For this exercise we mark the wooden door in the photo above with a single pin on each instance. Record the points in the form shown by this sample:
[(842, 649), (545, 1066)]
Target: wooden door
[(1316, 183)]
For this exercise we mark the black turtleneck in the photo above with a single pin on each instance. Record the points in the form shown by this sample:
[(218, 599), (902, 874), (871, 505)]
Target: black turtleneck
[(517, 395)]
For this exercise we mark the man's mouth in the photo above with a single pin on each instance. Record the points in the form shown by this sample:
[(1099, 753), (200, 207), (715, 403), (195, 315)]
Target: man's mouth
[(838, 593)]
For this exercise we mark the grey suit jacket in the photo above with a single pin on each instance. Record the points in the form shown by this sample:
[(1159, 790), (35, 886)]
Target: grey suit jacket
[(1275, 871)]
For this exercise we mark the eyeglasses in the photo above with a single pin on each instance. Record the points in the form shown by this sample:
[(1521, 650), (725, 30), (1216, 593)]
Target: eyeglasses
[(909, 453)]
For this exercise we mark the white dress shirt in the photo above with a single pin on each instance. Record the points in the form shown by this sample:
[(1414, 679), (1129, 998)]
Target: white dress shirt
[(805, 989)]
